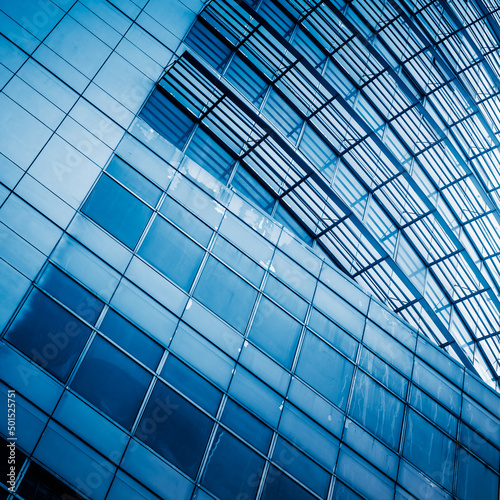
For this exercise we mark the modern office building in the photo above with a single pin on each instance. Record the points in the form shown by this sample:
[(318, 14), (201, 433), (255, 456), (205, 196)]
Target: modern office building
[(250, 249)]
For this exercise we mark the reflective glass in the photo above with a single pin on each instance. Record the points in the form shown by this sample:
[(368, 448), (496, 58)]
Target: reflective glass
[(175, 429), (233, 470), (112, 382), (71, 294), (172, 252), (278, 486), (325, 370), (225, 294), (475, 480), (191, 384), (286, 298), (275, 331), (48, 334), (126, 335), (117, 211)]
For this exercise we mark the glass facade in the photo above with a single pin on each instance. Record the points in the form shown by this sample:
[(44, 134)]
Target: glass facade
[(233, 234)]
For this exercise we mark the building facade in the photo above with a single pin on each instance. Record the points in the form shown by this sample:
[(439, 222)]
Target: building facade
[(249, 249)]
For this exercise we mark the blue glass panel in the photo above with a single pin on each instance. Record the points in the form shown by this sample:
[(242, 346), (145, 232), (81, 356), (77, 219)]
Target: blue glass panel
[(167, 119), (302, 467), (131, 339), (316, 150), (275, 331), (225, 294), (377, 409), (278, 486), (210, 155), (48, 334), (71, 294), (475, 480), (233, 470), (283, 116), (112, 382), (247, 426), (137, 183), (429, 449), (283, 215), (246, 80), (342, 492), (186, 221), (286, 298), (480, 446), (172, 252), (325, 370), (191, 384), (250, 187), (175, 429), (117, 211)]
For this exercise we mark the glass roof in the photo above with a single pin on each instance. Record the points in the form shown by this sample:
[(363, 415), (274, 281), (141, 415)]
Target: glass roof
[(376, 125)]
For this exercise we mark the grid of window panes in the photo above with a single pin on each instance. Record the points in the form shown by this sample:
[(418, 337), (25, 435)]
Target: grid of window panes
[(252, 369), (342, 85)]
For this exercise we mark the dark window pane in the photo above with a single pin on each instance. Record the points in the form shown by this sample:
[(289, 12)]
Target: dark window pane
[(233, 470), (191, 384), (325, 370), (167, 119), (250, 187), (275, 331), (48, 334), (282, 215), (226, 294), (71, 294), (175, 429), (342, 492), (283, 116), (39, 484), (136, 182), (112, 382), (131, 339), (302, 467), (210, 155), (246, 80), (117, 211), (280, 487), (377, 409), (247, 426), (172, 252)]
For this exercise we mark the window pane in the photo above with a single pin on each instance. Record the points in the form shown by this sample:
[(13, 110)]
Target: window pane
[(250, 187), (286, 298), (275, 331), (167, 119), (475, 480), (281, 487), (126, 335), (117, 211), (377, 409), (112, 382), (246, 80), (71, 294), (136, 182), (48, 334), (172, 252), (191, 384), (233, 470), (325, 370), (225, 294), (175, 429), (283, 215), (247, 426)]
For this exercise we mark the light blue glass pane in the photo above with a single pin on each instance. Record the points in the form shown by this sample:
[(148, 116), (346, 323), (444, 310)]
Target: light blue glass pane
[(475, 480), (429, 449), (112, 382), (233, 470), (175, 429), (225, 294), (71, 294), (435, 412), (250, 428), (171, 252), (325, 370), (126, 335), (301, 467), (117, 211), (48, 334), (281, 487), (286, 298), (145, 189), (186, 221), (283, 116), (246, 80), (275, 331), (283, 215), (250, 187), (480, 446), (383, 373), (333, 334), (191, 384), (377, 410)]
